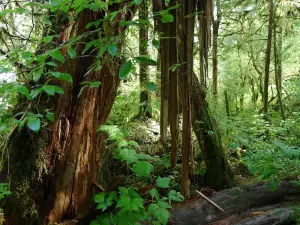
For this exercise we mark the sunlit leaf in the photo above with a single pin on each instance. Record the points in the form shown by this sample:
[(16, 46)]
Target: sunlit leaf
[(145, 60), (71, 52), (113, 50), (56, 54), (34, 124), (125, 69), (163, 182)]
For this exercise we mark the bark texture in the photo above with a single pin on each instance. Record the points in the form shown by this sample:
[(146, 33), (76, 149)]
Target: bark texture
[(219, 174), (173, 91), (204, 18), (164, 98), (73, 150), (143, 50), (278, 67), (216, 24), (233, 201), (268, 56), (185, 43)]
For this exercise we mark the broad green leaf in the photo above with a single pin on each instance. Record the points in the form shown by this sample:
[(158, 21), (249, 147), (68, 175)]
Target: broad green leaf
[(164, 205), (37, 75), (50, 116), (59, 90), (152, 86), (142, 169), (175, 196), (155, 43), (72, 52), (56, 54), (35, 93), (62, 76), (47, 39), (167, 18), (49, 89), (125, 69), (100, 197), (145, 60), (138, 2), (122, 143), (153, 207), (144, 156), (163, 182), (34, 124), (27, 55), (128, 155), (89, 45), (95, 84), (102, 51), (52, 64), (113, 50), (133, 143), (162, 215), (22, 89), (154, 193)]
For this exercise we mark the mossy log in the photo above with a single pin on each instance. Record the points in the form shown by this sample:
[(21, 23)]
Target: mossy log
[(233, 201)]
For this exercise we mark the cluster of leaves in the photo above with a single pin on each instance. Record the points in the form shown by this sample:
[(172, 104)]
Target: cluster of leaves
[(126, 206), (4, 192), (272, 151)]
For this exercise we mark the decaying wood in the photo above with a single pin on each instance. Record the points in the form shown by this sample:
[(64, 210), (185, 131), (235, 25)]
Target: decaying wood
[(234, 201), (210, 201)]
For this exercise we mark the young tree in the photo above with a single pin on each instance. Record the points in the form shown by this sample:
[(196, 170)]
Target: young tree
[(216, 24), (144, 76), (268, 57)]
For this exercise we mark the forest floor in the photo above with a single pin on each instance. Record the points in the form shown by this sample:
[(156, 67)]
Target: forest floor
[(253, 202)]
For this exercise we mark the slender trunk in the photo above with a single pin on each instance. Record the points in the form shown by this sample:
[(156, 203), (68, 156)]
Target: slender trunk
[(185, 35), (204, 18), (144, 77), (268, 57), (227, 103), (278, 70), (173, 92), (216, 24), (158, 76), (260, 74), (71, 148), (164, 51)]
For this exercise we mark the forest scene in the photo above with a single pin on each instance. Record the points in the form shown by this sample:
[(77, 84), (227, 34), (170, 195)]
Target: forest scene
[(136, 112)]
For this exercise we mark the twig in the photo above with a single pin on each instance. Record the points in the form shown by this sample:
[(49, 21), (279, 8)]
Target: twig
[(210, 201), (99, 186)]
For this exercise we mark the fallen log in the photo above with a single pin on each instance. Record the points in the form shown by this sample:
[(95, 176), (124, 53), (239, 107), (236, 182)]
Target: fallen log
[(233, 201), (269, 215)]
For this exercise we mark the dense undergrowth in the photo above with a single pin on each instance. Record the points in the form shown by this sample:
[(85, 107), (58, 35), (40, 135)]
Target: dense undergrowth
[(265, 151)]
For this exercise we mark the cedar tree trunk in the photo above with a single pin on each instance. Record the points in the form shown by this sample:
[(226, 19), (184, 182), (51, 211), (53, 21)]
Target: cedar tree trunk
[(72, 148)]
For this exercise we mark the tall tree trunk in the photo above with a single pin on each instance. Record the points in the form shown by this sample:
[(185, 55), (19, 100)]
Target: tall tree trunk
[(218, 171), (158, 76), (71, 148), (268, 57), (144, 77), (173, 91), (278, 68), (185, 35), (205, 18), (227, 107), (164, 103), (260, 74), (216, 24)]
